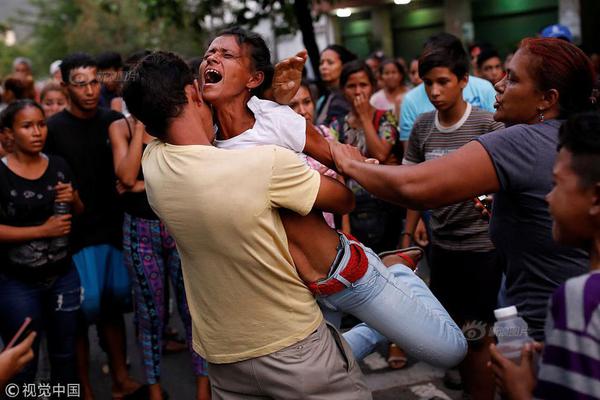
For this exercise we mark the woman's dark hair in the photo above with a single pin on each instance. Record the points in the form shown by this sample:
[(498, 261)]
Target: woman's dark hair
[(398, 66), (580, 134), (194, 64), (155, 90), (444, 50), (7, 117), (259, 54), (345, 55), (560, 65), (21, 88), (354, 67)]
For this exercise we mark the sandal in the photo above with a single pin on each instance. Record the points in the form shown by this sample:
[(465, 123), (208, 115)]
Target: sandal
[(396, 357), (410, 261)]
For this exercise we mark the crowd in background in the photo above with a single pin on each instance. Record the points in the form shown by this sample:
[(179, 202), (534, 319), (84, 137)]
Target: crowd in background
[(81, 245)]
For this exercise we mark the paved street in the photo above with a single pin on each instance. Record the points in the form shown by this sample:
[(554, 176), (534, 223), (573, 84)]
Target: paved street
[(416, 381)]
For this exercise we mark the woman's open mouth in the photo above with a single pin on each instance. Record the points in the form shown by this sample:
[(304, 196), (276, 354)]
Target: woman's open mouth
[(212, 76)]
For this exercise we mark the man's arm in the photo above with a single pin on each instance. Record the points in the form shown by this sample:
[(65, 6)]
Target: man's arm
[(334, 197)]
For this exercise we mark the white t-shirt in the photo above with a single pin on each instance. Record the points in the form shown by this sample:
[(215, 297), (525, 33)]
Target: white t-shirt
[(275, 124)]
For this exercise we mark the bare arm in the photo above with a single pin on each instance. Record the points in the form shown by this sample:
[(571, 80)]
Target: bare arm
[(459, 176), (55, 226), (412, 219), (127, 152), (317, 146), (334, 197)]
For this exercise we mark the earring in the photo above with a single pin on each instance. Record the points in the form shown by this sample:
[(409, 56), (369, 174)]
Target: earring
[(541, 115)]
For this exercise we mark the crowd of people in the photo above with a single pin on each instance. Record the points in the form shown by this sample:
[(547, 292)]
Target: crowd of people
[(271, 210)]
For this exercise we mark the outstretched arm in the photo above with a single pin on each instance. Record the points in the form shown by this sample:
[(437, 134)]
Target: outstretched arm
[(459, 176)]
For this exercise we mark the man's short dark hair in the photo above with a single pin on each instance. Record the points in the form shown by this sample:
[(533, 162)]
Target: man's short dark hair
[(485, 55), (580, 135), (109, 59), (444, 50), (73, 61), (154, 90), (352, 68)]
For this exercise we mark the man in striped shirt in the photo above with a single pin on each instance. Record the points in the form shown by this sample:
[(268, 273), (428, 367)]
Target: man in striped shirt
[(570, 366)]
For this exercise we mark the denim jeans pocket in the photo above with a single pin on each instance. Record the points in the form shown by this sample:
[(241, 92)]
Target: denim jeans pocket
[(69, 300)]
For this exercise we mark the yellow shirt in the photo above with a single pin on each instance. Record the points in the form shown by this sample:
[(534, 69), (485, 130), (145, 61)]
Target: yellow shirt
[(221, 206)]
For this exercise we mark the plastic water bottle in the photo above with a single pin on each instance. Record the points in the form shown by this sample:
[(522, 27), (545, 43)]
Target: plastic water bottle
[(61, 208), (511, 331)]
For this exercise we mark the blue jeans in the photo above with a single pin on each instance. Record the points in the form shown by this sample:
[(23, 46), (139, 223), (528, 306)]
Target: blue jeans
[(53, 307), (395, 303)]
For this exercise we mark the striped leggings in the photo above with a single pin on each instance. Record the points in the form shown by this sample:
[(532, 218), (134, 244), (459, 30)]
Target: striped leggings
[(151, 256)]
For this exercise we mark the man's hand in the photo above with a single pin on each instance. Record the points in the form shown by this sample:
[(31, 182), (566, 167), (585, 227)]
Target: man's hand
[(344, 154), (516, 382), (287, 77), (15, 358)]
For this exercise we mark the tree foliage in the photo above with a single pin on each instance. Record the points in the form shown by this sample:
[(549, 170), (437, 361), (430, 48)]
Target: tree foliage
[(61, 27)]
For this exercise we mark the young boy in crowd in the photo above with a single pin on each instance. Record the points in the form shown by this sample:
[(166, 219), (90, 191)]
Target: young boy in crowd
[(110, 69), (570, 366), (465, 269), (79, 134), (490, 66)]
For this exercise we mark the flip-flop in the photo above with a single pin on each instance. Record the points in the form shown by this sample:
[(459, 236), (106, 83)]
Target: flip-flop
[(396, 357), (411, 263)]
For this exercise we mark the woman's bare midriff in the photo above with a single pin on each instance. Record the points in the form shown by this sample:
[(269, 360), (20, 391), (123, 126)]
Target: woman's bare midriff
[(312, 243)]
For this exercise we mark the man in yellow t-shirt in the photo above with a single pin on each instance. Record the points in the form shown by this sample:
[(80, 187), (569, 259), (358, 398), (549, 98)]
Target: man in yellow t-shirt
[(254, 320)]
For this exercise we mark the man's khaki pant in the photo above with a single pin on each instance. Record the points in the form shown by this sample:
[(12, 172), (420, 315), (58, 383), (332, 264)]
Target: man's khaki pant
[(320, 366)]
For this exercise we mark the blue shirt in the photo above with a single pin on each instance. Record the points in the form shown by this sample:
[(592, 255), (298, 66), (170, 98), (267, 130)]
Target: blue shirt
[(479, 92)]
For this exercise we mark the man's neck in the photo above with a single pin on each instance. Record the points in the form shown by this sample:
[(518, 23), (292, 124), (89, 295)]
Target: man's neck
[(453, 114), (187, 129), (82, 114), (235, 118)]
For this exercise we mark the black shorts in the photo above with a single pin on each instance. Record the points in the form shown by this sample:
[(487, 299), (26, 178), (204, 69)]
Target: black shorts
[(466, 283)]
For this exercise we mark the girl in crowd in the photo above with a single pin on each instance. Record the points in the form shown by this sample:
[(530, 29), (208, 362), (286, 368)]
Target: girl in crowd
[(547, 80), (37, 278), (375, 223), (237, 67), (151, 257), (54, 98), (393, 76), (332, 105)]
